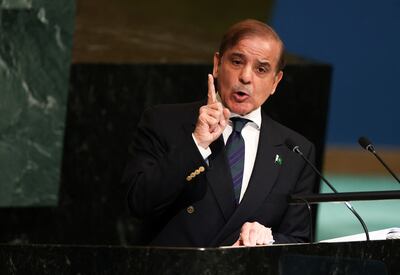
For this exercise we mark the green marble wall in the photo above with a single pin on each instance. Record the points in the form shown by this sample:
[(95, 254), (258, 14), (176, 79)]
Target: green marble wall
[(35, 54), (15, 4)]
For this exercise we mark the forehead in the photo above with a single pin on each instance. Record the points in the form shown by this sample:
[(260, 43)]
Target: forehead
[(259, 47)]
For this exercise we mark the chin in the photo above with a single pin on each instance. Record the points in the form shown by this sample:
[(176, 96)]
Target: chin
[(241, 109)]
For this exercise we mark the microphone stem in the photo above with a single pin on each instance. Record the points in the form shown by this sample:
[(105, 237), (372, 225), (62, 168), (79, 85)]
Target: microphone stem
[(384, 164), (310, 217), (316, 171), (349, 206), (364, 226)]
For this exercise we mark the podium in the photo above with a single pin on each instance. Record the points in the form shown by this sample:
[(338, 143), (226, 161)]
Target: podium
[(374, 257)]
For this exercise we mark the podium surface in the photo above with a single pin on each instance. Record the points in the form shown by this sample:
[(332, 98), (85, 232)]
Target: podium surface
[(374, 257)]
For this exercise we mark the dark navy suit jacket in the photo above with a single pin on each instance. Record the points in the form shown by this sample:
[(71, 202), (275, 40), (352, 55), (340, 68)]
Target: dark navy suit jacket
[(182, 205)]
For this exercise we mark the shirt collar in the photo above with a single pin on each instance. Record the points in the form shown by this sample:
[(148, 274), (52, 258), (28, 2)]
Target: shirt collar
[(254, 116)]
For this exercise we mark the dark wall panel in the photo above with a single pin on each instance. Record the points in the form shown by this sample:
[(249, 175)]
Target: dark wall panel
[(104, 105)]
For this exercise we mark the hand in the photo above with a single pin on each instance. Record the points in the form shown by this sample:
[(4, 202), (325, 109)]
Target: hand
[(212, 119), (253, 233)]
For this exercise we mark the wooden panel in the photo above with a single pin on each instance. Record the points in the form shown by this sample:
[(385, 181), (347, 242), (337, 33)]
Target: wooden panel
[(358, 161)]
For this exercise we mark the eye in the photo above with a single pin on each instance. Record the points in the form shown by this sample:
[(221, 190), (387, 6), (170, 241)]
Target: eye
[(262, 69), (236, 61)]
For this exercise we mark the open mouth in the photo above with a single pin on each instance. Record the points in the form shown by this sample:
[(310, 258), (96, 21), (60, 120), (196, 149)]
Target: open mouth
[(240, 96)]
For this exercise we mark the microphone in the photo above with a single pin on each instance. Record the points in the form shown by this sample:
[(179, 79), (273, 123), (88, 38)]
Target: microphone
[(367, 145), (295, 148)]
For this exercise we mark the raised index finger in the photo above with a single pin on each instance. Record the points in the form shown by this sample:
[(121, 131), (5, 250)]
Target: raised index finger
[(211, 96)]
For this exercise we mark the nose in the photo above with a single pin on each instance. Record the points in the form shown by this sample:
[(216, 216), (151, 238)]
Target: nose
[(245, 75)]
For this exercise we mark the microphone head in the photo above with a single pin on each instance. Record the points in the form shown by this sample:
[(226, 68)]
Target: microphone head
[(290, 144), (366, 144)]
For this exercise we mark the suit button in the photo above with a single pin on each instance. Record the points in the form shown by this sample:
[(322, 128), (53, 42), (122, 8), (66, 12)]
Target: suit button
[(190, 209)]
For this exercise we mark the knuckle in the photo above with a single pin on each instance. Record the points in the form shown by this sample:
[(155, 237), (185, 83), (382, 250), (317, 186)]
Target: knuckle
[(203, 109), (211, 112), (202, 117), (212, 120), (211, 106)]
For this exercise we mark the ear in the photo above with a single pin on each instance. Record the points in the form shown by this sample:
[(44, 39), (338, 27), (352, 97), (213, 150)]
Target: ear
[(217, 60), (277, 79)]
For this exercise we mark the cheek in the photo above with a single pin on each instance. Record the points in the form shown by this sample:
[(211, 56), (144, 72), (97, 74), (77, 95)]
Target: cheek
[(264, 89), (225, 78), (224, 85), (262, 95)]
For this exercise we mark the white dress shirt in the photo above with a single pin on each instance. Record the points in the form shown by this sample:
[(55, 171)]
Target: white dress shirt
[(251, 135)]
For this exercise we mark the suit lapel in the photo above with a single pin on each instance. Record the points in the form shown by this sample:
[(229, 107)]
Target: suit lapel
[(265, 173), (219, 178)]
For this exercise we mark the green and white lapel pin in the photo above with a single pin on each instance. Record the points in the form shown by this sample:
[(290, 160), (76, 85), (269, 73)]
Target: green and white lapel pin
[(278, 159)]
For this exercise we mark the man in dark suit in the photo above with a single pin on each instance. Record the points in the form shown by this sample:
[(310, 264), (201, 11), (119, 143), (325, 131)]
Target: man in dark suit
[(218, 172)]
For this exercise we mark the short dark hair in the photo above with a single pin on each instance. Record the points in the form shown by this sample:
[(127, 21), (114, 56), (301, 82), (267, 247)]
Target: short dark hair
[(250, 27)]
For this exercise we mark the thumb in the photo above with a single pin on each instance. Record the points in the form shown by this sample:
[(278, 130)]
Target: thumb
[(227, 113)]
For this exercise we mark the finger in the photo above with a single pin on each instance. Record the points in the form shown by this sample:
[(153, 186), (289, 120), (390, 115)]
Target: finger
[(270, 237), (216, 106), (237, 243), (211, 96), (214, 110), (263, 237), (226, 113), (253, 236), (269, 233), (212, 122), (209, 116), (267, 236), (244, 237), (224, 118)]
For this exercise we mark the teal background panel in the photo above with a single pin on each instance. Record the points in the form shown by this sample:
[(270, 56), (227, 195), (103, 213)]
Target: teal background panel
[(335, 220)]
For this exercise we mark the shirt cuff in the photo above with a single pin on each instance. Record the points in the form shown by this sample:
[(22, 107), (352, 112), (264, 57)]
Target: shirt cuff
[(205, 153)]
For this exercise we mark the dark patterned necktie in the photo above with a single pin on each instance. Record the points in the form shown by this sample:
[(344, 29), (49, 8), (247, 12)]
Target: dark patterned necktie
[(235, 154)]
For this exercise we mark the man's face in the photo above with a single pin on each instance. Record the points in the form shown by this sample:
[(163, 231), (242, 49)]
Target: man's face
[(247, 73)]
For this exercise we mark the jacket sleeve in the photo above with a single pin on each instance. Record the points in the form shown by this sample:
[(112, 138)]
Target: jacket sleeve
[(164, 154)]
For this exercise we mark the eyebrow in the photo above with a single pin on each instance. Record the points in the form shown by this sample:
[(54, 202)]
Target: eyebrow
[(265, 63), (237, 54), (241, 55)]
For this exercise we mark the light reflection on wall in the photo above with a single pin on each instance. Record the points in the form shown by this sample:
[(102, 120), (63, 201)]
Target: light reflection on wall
[(174, 31)]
